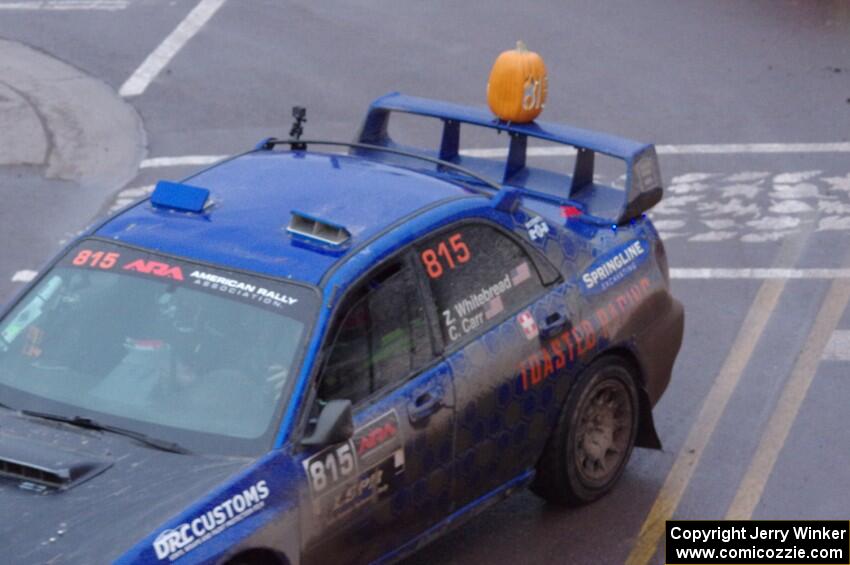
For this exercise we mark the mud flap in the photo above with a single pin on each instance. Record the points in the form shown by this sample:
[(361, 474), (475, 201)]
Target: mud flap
[(646, 436)]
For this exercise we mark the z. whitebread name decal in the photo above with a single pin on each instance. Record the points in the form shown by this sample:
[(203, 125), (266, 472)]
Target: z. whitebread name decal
[(176, 542)]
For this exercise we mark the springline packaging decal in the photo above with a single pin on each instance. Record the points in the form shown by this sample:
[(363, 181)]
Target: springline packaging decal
[(613, 266)]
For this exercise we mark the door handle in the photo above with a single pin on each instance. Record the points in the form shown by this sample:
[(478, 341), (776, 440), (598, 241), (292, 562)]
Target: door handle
[(425, 404), (554, 324)]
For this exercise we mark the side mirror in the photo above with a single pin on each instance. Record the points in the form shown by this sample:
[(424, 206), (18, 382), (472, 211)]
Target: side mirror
[(335, 424)]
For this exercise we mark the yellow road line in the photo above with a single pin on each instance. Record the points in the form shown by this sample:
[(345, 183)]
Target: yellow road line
[(712, 409), (774, 436)]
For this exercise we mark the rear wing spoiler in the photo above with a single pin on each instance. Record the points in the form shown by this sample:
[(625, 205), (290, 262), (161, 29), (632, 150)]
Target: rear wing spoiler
[(643, 185)]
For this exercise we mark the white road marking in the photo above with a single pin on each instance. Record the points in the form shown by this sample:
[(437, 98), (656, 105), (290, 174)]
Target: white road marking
[(792, 178), (838, 346), (834, 223), (24, 276), (727, 148), (717, 224), (802, 190), (162, 55), (715, 235), (137, 191), (691, 178), (186, 160), (530, 152), (687, 149), (748, 176), (66, 5), (130, 195), (772, 273), (841, 183), (669, 224), (753, 207)]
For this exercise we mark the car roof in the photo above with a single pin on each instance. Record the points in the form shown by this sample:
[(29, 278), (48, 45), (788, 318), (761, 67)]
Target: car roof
[(254, 196)]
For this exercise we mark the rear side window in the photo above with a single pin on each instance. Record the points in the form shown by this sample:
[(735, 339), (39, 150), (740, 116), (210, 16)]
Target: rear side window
[(477, 275), (382, 337)]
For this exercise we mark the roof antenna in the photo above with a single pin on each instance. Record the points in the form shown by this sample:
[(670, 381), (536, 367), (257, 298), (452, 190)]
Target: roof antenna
[(299, 113)]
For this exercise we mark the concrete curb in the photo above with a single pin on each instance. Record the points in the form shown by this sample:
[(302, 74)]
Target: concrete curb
[(75, 126)]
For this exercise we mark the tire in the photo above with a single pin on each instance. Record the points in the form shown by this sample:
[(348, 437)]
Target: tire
[(594, 437)]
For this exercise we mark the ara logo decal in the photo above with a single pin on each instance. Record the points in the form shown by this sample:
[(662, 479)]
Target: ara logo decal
[(528, 324), (613, 266), (376, 434), (156, 269)]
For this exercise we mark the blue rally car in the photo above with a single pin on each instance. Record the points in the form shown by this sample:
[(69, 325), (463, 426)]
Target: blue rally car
[(308, 355)]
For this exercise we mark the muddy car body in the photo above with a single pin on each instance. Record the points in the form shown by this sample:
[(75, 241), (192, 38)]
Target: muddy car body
[(299, 355)]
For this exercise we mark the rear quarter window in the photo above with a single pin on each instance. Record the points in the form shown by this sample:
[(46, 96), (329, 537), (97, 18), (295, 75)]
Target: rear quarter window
[(477, 275)]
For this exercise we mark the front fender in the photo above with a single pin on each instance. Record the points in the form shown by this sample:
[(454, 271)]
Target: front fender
[(256, 509)]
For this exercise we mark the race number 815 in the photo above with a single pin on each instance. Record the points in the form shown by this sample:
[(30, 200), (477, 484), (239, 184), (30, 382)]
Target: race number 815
[(326, 470), (450, 254)]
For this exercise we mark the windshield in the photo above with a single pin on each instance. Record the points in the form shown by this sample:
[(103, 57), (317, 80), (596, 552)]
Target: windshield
[(194, 354)]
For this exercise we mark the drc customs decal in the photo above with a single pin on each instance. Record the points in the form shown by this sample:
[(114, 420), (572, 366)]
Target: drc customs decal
[(612, 267), (365, 469), (176, 542)]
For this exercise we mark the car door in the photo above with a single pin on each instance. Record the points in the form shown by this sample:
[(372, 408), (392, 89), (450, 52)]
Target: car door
[(392, 480), (492, 308)]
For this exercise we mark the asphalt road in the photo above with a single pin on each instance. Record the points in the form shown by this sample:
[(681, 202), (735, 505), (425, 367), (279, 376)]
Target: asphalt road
[(753, 423)]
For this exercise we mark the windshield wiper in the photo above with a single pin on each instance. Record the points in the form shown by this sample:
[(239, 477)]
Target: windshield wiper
[(90, 424)]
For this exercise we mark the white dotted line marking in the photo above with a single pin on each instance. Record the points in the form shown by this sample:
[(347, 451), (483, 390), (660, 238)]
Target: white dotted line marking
[(66, 5), (24, 276)]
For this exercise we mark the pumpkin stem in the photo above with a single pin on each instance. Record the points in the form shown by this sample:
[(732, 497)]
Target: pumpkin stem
[(520, 46)]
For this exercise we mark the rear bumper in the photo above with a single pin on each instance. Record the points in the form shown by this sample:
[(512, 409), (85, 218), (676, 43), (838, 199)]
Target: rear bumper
[(659, 345)]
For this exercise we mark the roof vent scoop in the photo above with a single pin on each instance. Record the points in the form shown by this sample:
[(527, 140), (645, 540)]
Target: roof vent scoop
[(316, 229)]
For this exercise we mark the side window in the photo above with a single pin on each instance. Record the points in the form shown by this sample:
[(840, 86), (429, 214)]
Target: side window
[(477, 274), (381, 338)]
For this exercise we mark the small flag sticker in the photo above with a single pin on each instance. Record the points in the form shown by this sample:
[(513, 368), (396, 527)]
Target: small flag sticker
[(521, 274), (494, 308), (528, 325)]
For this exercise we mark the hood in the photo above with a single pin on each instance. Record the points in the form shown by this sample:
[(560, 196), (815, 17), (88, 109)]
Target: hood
[(70, 495)]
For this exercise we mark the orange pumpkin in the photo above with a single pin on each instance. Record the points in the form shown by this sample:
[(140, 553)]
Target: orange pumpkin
[(516, 91)]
